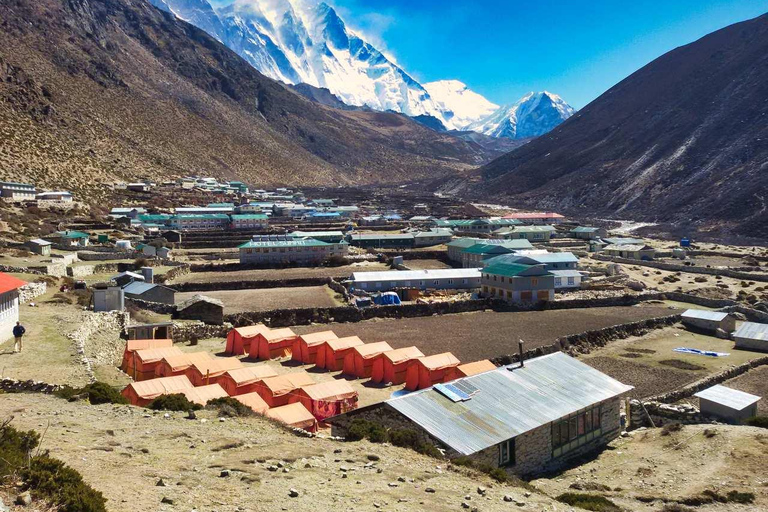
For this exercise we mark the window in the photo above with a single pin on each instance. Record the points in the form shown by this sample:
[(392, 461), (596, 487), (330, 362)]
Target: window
[(558, 281), (534, 281), (450, 281), (575, 430), (507, 453), (571, 281)]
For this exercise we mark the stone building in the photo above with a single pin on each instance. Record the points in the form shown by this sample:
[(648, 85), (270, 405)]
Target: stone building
[(525, 419), (515, 282), (206, 309)]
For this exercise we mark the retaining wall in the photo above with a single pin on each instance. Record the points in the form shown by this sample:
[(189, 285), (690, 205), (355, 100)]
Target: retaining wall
[(30, 291), (672, 267), (33, 386), (157, 307)]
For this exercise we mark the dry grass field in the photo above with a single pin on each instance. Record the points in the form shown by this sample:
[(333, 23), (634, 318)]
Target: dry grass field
[(267, 299), (275, 274)]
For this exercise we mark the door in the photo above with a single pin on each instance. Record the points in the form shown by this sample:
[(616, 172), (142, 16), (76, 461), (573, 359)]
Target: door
[(526, 296), (543, 295)]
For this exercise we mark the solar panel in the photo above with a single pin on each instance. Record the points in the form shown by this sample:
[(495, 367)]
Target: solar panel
[(451, 392), (465, 386)]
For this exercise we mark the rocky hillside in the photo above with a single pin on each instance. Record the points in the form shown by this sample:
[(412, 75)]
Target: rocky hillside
[(684, 140), (98, 91)]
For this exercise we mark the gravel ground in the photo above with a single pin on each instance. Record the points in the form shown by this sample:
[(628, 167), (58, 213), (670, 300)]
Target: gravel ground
[(755, 382), (648, 380), (425, 264), (239, 301), (482, 335), (284, 273)]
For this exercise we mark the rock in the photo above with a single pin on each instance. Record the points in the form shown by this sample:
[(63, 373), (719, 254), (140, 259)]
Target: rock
[(293, 493), (24, 499), (373, 458), (167, 500), (464, 504), (191, 415), (161, 483), (344, 475), (344, 469), (721, 334), (272, 467), (337, 450), (636, 286), (145, 450), (429, 490), (392, 484), (401, 479), (225, 473), (508, 498), (481, 490), (624, 433), (166, 416), (222, 420)]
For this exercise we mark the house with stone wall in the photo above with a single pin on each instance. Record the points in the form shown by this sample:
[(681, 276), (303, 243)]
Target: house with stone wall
[(526, 419)]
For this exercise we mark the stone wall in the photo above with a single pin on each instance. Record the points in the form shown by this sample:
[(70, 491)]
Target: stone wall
[(661, 414), (30, 291), (673, 267), (21, 270), (31, 386), (106, 256), (753, 315), (250, 285), (184, 331), (97, 340), (157, 307)]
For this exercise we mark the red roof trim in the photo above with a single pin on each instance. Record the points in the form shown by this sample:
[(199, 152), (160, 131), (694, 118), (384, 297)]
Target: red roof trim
[(8, 283)]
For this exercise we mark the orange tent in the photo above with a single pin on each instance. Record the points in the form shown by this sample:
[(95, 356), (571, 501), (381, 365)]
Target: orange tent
[(202, 394), (133, 345), (427, 371), (208, 372), (331, 353), (239, 339), (467, 369), (276, 391), (359, 361), (305, 346), (391, 366), (294, 415), (144, 362), (327, 399), (243, 380), (178, 364), (254, 401), (272, 344), (141, 393)]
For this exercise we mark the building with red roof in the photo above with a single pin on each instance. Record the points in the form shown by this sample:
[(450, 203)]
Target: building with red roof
[(9, 304)]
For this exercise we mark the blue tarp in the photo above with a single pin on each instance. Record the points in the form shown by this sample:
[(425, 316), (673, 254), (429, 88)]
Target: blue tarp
[(698, 352), (387, 299)]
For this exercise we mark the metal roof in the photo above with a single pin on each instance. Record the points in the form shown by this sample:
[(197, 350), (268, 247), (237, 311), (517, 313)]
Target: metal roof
[(554, 257), (373, 236), (628, 247), (732, 398), (700, 314), (511, 401), (295, 242), (506, 269), (584, 229), (753, 331), (138, 287), (416, 275), (565, 273)]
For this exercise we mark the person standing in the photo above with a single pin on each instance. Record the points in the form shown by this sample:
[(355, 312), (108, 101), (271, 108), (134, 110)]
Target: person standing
[(18, 333)]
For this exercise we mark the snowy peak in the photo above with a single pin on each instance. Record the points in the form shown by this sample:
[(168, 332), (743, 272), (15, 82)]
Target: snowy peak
[(533, 115), (460, 105)]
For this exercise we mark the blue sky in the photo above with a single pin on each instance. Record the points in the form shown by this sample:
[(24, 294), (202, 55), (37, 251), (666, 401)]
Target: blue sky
[(503, 49)]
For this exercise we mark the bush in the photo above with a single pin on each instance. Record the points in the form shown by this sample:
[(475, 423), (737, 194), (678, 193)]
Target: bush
[(404, 438), (46, 478), (97, 393), (498, 474), (588, 502), (710, 496), (757, 421), (173, 402), (669, 428), (364, 429), (228, 406)]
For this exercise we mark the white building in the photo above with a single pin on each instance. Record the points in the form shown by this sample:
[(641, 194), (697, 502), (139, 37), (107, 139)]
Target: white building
[(434, 279), (9, 304), (17, 191), (303, 251)]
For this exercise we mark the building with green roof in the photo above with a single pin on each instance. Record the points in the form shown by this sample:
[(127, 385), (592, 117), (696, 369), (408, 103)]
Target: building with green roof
[(531, 233), (474, 256), (301, 251), (515, 282)]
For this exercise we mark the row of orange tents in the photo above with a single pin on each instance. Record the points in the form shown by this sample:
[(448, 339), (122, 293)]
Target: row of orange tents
[(159, 368), (377, 361)]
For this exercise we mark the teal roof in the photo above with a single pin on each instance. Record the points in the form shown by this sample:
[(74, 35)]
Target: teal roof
[(220, 205), (487, 249), (584, 229), (72, 234), (218, 216), (302, 242), (506, 269), (154, 217), (249, 216)]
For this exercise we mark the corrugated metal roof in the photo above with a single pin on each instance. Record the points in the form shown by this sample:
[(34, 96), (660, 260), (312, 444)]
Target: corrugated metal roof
[(700, 314), (584, 229), (416, 275), (509, 403), (728, 397), (753, 331), (138, 287), (565, 273)]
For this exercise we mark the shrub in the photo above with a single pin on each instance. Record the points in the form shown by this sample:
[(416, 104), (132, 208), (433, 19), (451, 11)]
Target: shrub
[(669, 428), (47, 478), (709, 496), (498, 474), (173, 402), (97, 393), (228, 406), (404, 437), (757, 421), (364, 429), (588, 502)]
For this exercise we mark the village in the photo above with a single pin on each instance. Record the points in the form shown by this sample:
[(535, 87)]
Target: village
[(528, 349)]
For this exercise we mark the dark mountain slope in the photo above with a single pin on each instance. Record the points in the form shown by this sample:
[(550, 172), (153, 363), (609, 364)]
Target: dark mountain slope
[(684, 140), (100, 90)]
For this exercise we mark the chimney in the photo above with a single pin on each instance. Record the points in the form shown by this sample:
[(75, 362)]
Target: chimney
[(520, 348), (148, 273)]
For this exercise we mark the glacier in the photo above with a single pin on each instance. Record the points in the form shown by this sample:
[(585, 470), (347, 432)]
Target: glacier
[(305, 41)]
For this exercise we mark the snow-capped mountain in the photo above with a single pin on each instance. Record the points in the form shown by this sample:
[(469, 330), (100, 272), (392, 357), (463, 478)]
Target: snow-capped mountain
[(534, 114), (459, 105), (305, 41)]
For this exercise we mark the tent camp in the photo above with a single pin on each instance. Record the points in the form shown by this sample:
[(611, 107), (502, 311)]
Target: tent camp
[(331, 354), (391, 366), (273, 344), (170, 366), (202, 394), (143, 364), (294, 415), (243, 380), (254, 401), (276, 391), (305, 347), (132, 346), (208, 372), (141, 393), (239, 339), (428, 371), (359, 361), (467, 369), (327, 399)]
